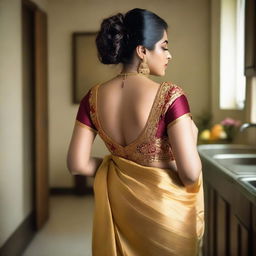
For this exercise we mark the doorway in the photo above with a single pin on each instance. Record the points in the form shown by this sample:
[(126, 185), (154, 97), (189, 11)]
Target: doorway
[(35, 109)]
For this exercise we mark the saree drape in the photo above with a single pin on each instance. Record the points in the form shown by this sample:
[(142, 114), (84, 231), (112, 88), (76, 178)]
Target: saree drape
[(141, 210)]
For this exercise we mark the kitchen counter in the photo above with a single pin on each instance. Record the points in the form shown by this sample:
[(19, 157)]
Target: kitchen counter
[(208, 153), (230, 202)]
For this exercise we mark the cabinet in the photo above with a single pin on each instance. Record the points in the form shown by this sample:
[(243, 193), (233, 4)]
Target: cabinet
[(230, 217)]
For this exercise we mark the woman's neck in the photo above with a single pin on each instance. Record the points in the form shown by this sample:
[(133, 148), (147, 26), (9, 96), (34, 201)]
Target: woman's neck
[(129, 69)]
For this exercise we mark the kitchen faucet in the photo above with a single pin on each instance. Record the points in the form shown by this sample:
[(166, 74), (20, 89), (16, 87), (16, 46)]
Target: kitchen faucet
[(246, 125)]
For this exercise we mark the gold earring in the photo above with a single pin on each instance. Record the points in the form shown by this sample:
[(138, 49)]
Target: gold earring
[(143, 67)]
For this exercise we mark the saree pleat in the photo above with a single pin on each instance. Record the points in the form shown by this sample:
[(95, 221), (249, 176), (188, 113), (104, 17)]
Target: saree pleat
[(141, 210)]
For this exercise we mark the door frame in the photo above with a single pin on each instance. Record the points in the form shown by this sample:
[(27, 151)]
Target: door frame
[(41, 171)]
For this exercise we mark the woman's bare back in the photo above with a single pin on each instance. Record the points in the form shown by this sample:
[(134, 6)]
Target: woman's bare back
[(123, 112)]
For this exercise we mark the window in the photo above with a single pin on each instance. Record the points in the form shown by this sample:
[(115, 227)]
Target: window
[(232, 79)]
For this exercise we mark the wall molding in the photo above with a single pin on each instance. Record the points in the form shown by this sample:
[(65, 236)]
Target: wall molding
[(70, 191), (21, 237)]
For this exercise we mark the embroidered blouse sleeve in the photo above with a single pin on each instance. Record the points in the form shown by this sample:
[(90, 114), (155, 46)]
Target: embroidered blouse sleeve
[(83, 117), (179, 108)]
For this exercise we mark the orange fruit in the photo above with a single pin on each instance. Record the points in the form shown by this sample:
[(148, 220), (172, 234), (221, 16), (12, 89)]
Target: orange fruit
[(216, 131)]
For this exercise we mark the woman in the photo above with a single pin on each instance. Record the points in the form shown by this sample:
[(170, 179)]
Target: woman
[(148, 191)]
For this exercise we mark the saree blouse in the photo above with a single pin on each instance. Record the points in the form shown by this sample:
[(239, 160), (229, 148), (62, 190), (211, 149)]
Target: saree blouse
[(169, 106)]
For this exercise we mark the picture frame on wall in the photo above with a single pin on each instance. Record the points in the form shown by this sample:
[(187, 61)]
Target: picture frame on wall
[(87, 69), (83, 56)]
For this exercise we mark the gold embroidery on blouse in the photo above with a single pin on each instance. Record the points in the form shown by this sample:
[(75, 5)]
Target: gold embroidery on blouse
[(146, 147), (85, 126)]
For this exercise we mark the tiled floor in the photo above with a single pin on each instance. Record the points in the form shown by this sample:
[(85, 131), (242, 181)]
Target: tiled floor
[(68, 231)]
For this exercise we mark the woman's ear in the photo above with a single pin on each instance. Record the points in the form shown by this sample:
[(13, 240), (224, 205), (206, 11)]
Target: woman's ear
[(141, 51)]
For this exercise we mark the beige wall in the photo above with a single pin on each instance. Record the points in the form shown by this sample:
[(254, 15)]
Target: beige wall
[(15, 203), (189, 37)]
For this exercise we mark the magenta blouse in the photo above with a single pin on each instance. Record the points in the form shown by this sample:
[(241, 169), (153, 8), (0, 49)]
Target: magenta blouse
[(83, 114)]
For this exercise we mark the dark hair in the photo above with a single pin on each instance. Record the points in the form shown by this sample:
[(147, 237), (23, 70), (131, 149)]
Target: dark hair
[(120, 34)]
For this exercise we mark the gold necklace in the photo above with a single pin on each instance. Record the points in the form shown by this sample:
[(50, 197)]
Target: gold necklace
[(124, 75)]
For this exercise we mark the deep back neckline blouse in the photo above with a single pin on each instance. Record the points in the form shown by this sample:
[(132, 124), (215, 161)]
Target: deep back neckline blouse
[(143, 130), (169, 105)]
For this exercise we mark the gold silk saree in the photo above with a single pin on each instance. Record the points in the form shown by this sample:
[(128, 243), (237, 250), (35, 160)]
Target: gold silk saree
[(143, 211)]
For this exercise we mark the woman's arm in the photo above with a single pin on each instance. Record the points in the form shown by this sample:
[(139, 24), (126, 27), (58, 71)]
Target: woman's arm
[(94, 164), (79, 161), (195, 131), (183, 139)]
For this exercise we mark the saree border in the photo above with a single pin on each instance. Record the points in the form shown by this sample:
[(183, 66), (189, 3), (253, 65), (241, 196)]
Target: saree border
[(178, 119)]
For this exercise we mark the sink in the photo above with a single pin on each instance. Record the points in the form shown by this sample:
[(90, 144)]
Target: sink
[(234, 163), (237, 163), (213, 149), (236, 159), (251, 182)]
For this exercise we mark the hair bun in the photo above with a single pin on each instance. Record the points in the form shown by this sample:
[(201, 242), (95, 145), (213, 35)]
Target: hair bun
[(109, 39)]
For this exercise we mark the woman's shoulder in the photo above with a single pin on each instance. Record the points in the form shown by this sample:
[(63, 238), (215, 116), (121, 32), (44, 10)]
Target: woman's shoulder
[(90, 90), (174, 87), (172, 92)]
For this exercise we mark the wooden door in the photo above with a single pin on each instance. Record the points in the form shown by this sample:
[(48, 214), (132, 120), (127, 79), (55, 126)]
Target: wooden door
[(41, 120)]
